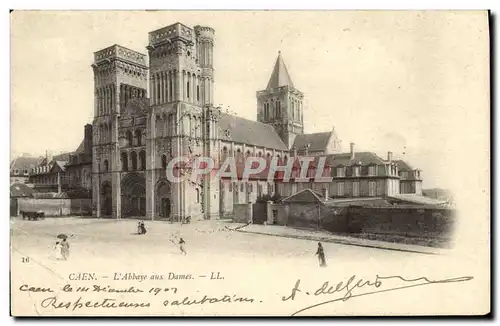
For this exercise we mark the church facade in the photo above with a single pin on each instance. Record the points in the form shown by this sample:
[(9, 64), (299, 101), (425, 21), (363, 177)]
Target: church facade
[(148, 113)]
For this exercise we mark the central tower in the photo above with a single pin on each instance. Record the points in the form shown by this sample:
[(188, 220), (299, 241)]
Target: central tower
[(280, 104), (179, 123)]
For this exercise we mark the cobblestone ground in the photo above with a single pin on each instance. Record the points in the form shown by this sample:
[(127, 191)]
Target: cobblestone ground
[(248, 262)]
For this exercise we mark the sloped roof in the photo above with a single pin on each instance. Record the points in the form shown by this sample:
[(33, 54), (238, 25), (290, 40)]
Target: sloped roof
[(80, 148), (359, 201), (20, 190), (418, 199), (60, 164), (250, 132), (403, 166), (279, 76), (305, 196), (318, 141), (363, 158), (24, 163), (62, 157)]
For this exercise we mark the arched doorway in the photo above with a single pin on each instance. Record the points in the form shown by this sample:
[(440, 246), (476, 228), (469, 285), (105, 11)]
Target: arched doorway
[(106, 200), (133, 195), (162, 200)]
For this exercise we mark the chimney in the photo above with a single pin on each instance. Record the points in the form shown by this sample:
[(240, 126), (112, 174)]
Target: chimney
[(48, 156), (325, 193), (306, 149), (389, 157), (352, 151), (294, 151), (87, 141)]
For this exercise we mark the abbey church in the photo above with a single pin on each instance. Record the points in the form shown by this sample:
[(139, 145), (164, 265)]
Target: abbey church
[(147, 113)]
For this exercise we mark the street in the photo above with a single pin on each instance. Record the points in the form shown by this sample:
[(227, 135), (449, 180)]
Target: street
[(217, 259)]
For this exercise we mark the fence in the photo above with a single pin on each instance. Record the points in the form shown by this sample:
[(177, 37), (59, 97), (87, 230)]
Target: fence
[(57, 206)]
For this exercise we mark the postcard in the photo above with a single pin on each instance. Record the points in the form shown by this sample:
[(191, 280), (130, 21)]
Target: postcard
[(250, 163)]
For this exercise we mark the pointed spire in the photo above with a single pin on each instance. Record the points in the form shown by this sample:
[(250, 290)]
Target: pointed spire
[(280, 76)]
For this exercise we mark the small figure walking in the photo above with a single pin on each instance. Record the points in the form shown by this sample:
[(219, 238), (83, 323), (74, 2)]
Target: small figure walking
[(181, 246), (65, 249), (321, 255)]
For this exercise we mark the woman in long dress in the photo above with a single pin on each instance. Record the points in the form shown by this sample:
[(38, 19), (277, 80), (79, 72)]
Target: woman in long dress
[(65, 249), (57, 251), (321, 255)]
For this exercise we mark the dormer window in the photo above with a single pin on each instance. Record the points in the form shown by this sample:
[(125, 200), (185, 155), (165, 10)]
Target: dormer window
[(355, 171), (404, 175), (372, 170), (340, 172)]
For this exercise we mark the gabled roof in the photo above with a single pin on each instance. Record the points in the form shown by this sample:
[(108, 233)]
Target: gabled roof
[(318, 141), (305, 196), (20, 190), (363, 158), (280, 76), (61, 165), (250, 132)]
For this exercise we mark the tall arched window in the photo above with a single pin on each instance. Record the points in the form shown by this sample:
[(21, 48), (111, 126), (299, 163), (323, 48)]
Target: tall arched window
[(187, 89), (197, 195), (106, 166), (164, 162), (138, 136), (142, 160), (130, 138), (124, 159), (133, 157)]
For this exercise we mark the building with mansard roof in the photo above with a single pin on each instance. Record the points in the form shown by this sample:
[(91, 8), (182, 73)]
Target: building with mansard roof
[(151, 109)]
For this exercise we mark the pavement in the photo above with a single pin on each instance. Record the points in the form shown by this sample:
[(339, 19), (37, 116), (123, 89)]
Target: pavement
[(323, 236)]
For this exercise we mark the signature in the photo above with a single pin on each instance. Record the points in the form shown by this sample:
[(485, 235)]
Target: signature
[(347, 288)]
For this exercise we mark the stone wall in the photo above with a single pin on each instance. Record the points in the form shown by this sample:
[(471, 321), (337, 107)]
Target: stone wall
[(57, 207), (409, 221), (240, 213), (390, 220)]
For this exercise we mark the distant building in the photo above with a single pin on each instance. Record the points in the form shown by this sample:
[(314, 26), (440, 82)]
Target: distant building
[(410, 181), (78, 174), (18, 190), (21, 167), (47, 175)]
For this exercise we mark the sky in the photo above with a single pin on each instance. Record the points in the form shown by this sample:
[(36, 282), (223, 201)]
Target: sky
[(414, 83)]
